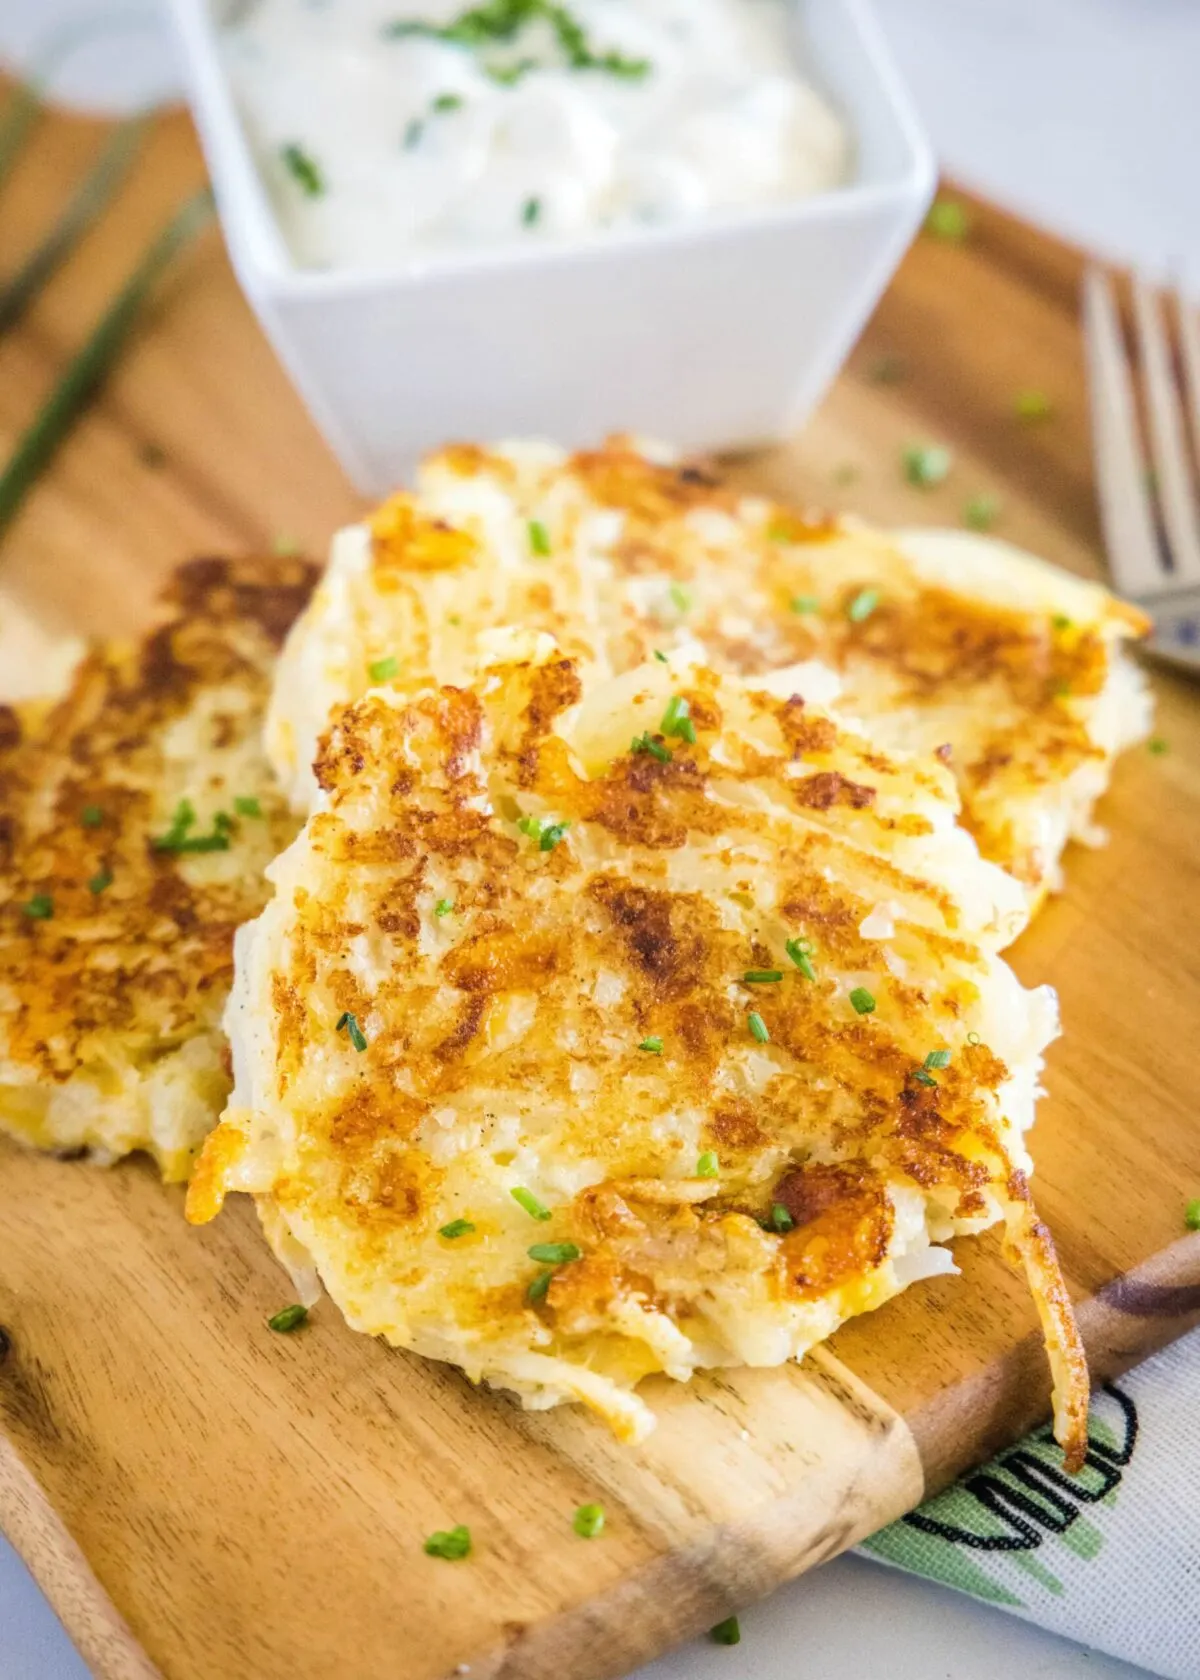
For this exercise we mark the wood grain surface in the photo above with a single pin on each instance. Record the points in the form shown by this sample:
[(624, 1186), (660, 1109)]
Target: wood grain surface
[(202, 1499)]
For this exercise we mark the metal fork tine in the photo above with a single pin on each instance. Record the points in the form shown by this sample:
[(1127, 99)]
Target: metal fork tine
[(1189, 340), (1167, 435), (1129, 534)]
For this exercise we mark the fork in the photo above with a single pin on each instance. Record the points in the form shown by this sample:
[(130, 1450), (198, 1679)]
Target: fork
[(1149, 507)]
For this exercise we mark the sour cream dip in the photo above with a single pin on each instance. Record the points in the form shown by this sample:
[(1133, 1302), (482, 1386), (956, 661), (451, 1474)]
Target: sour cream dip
[(391, 129)]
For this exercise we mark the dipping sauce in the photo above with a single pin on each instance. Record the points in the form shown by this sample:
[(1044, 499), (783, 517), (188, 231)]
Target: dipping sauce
[(387, 129)]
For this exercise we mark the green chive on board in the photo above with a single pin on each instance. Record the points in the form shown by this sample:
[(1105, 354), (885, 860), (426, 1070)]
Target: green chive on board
[(202, 1498)]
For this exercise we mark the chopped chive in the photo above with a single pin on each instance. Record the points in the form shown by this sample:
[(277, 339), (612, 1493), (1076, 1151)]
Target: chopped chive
[(780, 1219), (40, 907), (412, 134), (91, 816), (923, 1078), (728, 1632), (449, 1543), (179, 837), (863, 605), (1156, 745), (551, 835), (539, 537), (588, 1521), (758, 1027), (981, 512), (926, 464), (538, 1288), (973, 1038), (246, 805), (100, 881), (761, 976), (303, 170), (1060, 622), (554, 1254), (800, 951), (645, 743), (805, 603), (660, 656), (652, 1046), (948, 220), (290, 1318), (1032, 405), (526, 1199), (1191, 1215), (781, 531), (677, 721), (456, 1228), (938, 1059), (448, 102), (382, 670), (861, 1001), (443, 907), (708, 1166), (682, 597), (350, 1023), (87, 370), (887, 370), (531, 211)]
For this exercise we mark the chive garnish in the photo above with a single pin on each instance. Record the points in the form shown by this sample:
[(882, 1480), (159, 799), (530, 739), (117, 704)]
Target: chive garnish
[(652, 1046), (539, 537), (862, 1001), (40, 907), (1060, 622), (938, 1059), (290, 1318), (179, 837), (554, 1254), (89, 200), (973, 1038), (350, 1023), (539, 1287), (923, 1078), (1156, 745), (863, 605), (60, 410), (676, 720), (926, 464), (546, 834), (91, 816), (1191, 1215), (412, 134), (645, 743), (495, 22), (805, 604), (526, 1199), (382, 670), (780, 1219), (449, 1543), (762, 976), (588, 1521), (887, 370), (100, 881), (981, 512), (708, 1166), (660, 656), (681, 596), (303, 169), (949, 221), (728, 1632), (456, 1228), (1032, 405), (443, 907), (800, 951), (758, 1027), (448, 102), (246, 805), (531, 211)]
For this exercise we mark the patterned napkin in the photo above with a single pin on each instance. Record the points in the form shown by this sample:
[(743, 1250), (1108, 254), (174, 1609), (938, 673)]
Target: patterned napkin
[(1110, 1557)]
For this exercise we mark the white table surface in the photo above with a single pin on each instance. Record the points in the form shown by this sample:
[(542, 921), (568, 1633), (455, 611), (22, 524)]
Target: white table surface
[(1083, 115)]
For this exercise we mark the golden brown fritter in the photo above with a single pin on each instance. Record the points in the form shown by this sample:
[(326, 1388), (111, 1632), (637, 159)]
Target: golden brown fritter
[(941, 642), (648, 1027), (137, 815)]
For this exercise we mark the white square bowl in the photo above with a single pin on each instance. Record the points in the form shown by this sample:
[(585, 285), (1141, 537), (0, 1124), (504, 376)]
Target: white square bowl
[(714, 334)]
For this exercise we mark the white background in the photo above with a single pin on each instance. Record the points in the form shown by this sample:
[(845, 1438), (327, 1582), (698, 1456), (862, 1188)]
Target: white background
[(1085, 116)]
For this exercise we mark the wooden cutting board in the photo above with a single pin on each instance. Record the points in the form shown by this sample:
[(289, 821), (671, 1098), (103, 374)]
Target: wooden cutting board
[(201, 1499)]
